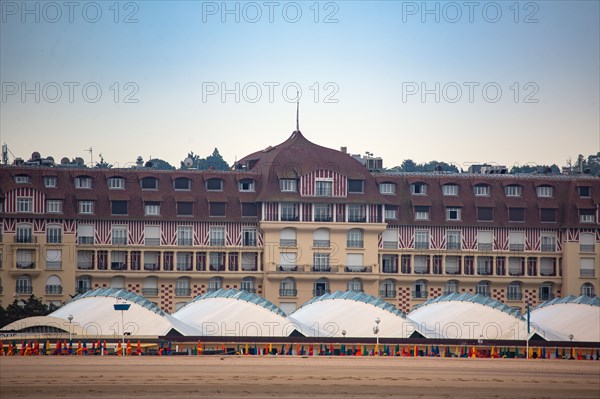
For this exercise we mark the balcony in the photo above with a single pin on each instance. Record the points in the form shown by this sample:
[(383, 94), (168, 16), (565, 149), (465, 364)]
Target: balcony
[(150, 291), (119, 241), (216, 268), (249, 242), (85, 240), (183, 291), (390, 245), (546, 296), (320, 291), (118, 266), (586, 273), (453, 246), (25, 265), (484, 246), (419, 294), (85, 266), (187, 242), (151, 266), (389, 269), (355, 244), (357, 219), (287, 243), (421, 245), (53, 265), (320, 243), (24, 289), (288, 292), (184, 268), (54, 289), (287, 268), (517, 247), (387, 293), (216, 242), (289, 218), (452, 271), (25, 239), (514, 296), (152, 241), (586, 248), (323, 218), (358, 269), (320, 268), (548, 248), (484, 271)]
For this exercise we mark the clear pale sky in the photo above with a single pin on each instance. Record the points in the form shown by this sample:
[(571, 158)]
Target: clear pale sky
[(373, 59)]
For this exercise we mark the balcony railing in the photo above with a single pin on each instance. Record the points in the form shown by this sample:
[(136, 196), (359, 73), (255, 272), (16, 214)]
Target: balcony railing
[(548, 248), (216, 242), (483, 292), (184, 268), (452, 271), (151, 266), (288, 292), (514, 296), (183, 291), (484, 246), (118, 266), (287, 268), (81, 290), (249, 242), (186, 242), (53, 265), (586, 248), (119, 241), (54, 289), (287, 243), (419, 294), (152, 241), (358, 269), (320, 291), (421, 245), (251, 290), (25, 239), (389, 269), (216, 268), (545, 296), (289, 218), (85, 240), (387, 293), (321, 243), (453, 246), (85, 266), (323, 218), (586, 273), (515, 272), (25, 265), (484, 271), (24, 289), (320, 268), (150, 291), (448, 292), (390, 244), (357, 219), (355, 244), (517, 247)]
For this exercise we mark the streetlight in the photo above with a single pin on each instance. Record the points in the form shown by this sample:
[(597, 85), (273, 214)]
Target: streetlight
[(70, 318), (344, 333), (376, 332), (122, 307)]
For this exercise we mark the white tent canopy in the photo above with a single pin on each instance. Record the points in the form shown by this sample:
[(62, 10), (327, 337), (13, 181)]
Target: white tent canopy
[(576, 316)]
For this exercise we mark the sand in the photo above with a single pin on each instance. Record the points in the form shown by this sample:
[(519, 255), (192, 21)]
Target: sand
[(294, 377)]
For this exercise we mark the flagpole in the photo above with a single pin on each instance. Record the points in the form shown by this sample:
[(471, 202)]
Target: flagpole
[(528, 332)]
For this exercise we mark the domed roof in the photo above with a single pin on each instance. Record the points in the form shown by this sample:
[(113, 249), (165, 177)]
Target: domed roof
[(572, 318)]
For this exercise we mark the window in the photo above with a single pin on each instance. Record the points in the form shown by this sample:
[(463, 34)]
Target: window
[(214, 185), (217, 209), (83, 182), (356, 186), (451, 287), (452, 265), (421, 264), (485, 214), (24, 204), (149, 183), (450, 189), (118, 260), (119, 235), (54, 234), (84, 284), (184, 262), (182, 184), (513, 191), (391, 212), (321, 262), (182, 286), (22, 179), (249, 209), (215, 283), (321, 238), (355, 285), (548, 215), (116, 183), (289, 211), (323, 213), (516, 266), (53, 259), (287, 261), (387, 188), (323, 188), (545, 191), (584, 192), (217, 236), (548, 266), (546, 291), (453, 214), (321, 287), (390, 238), (586, 268), (420, 289), (355, 263), (484, 240), (516, 214), (516, 241), (587, 289), (287, 287), (185, 209), (548, 243), (53, 206), (248, 284), (418, 189), (246, 185), (86, 207), (483, 288), (484, 265), (288, 185), (356, 213), (249, 261), (151, 261), (24, 285), (185, 235), (453, 240), (85, 234), (287, 237), (249, 237), (481, 190), (587, 215), (118, 207), (389, 263), (514, 291), (151, 235), (421, 239), (24, 233), (50, 181), (355, 239), (421, 213), (586, 242), (152, 208), (387, 289), (25, 259)]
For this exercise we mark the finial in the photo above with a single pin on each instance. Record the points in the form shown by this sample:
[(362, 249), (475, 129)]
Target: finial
[(297, 111)]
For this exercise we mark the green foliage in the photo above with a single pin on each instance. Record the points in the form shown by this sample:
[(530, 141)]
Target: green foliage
[(161, 165), (21, 309), (554, 169), (408, 165), (211, 162)]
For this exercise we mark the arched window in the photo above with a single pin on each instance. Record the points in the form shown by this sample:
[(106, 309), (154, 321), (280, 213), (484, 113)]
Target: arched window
[(24, 285), (84, 284), (387, 289), (420, 289), (287, 237), (287, 287), (53, 285), (24, 233), (150, 286), (149, 183), (321, 238), (483, 288), (182, 287), (117, 282), (451, 287), (587, 289), (182, 184), (514, 291), (355, 239), (215, 283), (355, 285), (249, 284), (546, 292), (321, 287)]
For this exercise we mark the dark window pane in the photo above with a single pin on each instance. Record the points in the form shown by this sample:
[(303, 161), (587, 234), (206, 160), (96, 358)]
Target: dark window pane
[(516, 214), (249, 209), (421, 209), (149, 183), (185, 208), (355, 186), (214, 184), (181, 184), (485, 214), (217, 209), (119, 207), (548, 215)]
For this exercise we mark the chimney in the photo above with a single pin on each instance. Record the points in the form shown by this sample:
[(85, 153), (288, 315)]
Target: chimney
[(344, 150)]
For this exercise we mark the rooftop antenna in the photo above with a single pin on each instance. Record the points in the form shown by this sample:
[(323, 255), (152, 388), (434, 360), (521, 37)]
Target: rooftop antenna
[(297, 111), (91, 155)]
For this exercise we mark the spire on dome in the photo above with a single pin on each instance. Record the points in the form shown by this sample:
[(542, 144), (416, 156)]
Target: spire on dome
[(297, 111)]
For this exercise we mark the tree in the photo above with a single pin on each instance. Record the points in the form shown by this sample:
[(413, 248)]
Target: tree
[(102, 164), (21, 309), (160, 164), (212, 162)]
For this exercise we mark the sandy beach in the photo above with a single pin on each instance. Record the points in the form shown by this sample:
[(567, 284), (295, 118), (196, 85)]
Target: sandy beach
[(295, 377)]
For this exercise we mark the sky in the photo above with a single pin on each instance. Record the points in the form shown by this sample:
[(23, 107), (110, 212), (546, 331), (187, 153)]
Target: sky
[(503, 82)]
